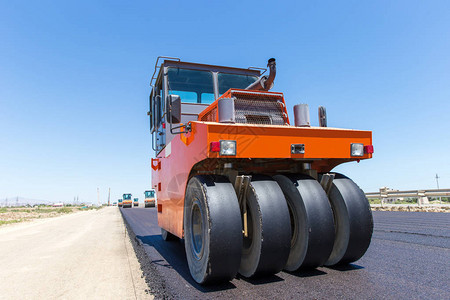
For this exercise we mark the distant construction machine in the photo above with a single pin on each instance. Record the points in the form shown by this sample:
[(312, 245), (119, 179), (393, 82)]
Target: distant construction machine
[(136, 202), (248, 191), (127, 203), (119, 202), (149, 198)]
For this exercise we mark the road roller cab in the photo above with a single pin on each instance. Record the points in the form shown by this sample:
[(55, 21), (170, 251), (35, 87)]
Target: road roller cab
[(247, 190), (127, 202), (136, 202), (149, 198), (119, 202)]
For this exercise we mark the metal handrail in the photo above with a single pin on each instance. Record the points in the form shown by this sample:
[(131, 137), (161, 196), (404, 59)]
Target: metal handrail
[(258, 68), (157, 66)]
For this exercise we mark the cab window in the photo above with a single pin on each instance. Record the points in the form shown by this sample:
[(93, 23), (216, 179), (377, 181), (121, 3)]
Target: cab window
[(193, 86), (236, 81)]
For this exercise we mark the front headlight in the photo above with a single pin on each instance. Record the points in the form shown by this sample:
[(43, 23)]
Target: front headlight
[(227, 147), (357, 150)]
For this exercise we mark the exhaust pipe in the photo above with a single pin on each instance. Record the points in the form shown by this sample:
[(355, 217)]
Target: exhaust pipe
[(265, 83)]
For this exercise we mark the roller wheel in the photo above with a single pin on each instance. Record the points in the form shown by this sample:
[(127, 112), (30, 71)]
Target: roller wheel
[(353, 221), (266, 249), (312, 227), (212, 229), (167, 236)]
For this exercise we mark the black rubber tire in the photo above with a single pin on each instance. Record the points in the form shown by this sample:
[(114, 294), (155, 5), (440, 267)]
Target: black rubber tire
[(353, 221), (167, 236), (212, 229), (312, 225), (267, 247)]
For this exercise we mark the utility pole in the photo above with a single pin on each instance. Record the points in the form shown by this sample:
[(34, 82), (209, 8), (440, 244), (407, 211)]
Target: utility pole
[(437, 183), (109, 195)]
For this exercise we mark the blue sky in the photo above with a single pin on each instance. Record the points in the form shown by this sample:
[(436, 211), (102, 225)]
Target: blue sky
[(74, 83)]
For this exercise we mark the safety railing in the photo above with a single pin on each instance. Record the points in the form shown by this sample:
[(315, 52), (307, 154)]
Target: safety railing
[(386, 193)]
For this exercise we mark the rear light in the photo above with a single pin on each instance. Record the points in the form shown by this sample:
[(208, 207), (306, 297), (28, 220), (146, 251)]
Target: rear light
[(215, 146), (357, 150), (368, 149), (226, 148)]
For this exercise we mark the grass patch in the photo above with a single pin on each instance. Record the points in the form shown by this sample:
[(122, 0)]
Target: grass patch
[(90, 208), (64, 210), (374, 201), (10, 222), (44, 210), (3, 210)]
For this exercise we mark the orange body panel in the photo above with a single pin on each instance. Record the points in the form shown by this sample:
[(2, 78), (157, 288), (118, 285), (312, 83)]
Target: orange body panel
[(325, 148), (150, 200)]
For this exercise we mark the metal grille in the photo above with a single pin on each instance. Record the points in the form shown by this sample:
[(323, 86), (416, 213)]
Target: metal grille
[(254, 108), (259, 108), (210, 116)]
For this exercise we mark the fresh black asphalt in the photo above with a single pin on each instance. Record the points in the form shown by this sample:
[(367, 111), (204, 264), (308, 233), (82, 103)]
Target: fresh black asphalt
[(409, 258)]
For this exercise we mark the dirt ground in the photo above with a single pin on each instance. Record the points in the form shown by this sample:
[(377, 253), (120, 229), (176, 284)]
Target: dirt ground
[(9, 215), (84, 255)]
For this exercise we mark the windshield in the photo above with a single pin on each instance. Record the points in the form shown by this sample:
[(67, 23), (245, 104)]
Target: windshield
[(229, 81), (193, 86), (126, 196), (149, 194)]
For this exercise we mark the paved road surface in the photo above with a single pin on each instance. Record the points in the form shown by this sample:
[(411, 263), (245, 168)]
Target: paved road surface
[(85, 255), (409, 258)]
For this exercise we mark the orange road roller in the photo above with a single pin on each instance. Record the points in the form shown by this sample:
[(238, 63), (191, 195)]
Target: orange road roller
[(248, 190), (149, 198), (127, 202)]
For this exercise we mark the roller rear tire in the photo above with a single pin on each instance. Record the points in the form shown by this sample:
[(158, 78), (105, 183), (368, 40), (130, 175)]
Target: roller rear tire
[(353, 221), (311, 217), (266, 249), (212, 229)]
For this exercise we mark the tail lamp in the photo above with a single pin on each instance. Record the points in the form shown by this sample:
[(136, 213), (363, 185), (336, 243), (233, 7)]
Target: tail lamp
[(359, 149), (224, 147), (368, 149)]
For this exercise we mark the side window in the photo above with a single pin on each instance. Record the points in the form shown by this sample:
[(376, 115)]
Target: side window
[(158, 107), (157, 112)]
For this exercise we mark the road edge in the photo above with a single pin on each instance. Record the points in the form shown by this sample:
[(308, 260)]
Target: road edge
[(155, 282)]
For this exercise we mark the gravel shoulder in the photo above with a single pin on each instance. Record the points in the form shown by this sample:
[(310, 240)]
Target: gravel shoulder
[(75, 256)]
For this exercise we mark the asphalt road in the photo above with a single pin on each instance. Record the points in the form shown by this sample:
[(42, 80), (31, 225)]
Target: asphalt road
[(409, 258)]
